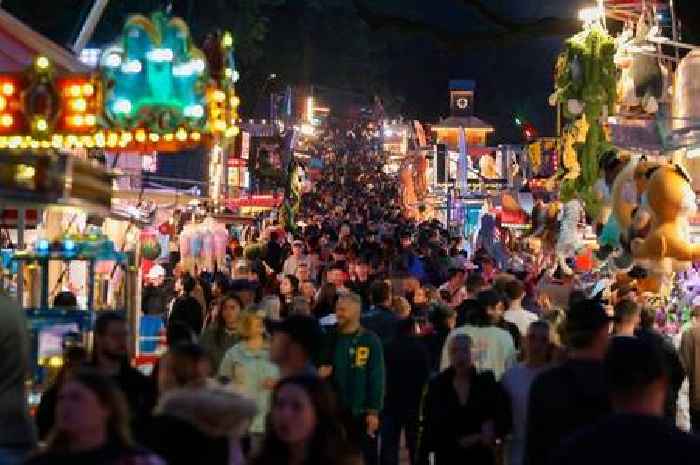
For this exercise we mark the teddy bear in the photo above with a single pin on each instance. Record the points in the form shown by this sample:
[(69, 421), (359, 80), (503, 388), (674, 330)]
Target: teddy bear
[(670, 200)]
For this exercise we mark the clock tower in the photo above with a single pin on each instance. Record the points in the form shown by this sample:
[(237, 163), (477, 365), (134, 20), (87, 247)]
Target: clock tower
[(462, 98)]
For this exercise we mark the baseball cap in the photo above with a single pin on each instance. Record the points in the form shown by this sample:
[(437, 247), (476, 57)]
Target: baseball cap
[(587, 315), (302, 329)]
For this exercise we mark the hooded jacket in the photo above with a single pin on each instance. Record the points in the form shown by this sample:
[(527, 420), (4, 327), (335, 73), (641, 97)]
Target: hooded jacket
[(195, 425)]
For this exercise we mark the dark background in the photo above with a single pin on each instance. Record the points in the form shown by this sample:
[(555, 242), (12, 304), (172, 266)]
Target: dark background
[(402, 50)]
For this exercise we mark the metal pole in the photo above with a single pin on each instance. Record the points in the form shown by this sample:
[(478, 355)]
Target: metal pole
[(89, 26), (20, 263)]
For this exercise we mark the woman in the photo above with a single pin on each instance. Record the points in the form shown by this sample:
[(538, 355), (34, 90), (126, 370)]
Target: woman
[(223, 333), (92, 426), (248, 366), (304, 427), (289, 288), (308, 291), (401, 307), (325, 303), (194, 421), (464, 411), (186, 309)]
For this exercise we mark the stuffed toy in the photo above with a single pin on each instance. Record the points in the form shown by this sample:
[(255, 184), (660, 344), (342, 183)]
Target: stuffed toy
[(569, 241), (671, 201)]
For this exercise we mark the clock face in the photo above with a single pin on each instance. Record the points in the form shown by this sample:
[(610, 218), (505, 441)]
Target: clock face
[(462, 103)]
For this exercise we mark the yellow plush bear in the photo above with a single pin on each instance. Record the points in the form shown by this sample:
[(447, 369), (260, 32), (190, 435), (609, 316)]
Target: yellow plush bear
[(670, 200)]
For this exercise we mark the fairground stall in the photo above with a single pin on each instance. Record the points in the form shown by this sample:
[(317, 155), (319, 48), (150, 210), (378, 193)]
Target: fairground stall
[(153, 92)]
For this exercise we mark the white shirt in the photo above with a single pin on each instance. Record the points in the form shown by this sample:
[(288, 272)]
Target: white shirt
[(492, 348), (517, 382), (521, 318)]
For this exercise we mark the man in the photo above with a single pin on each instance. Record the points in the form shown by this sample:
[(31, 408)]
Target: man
[(111, 358), (517, 382), (516, 314), (337, 275), (407, 372), (17, 434), (186, 309), (296, 345), (273, 252), (355, 363), (303, 271), (381, 319), (626, 318), (647, 332), (361, 282), (154, 300), (453, 292), (493, 348), (297, 256), (572, 395), (636, 433), (690, 357)]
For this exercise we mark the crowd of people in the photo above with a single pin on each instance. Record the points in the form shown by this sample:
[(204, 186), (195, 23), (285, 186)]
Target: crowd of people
[(326, 344)]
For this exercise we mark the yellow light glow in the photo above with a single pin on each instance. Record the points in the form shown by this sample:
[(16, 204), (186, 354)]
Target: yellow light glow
[(3, 103), (34, 144), (88, 90), (15, 141), (228, 72), (42, 63), (100, 139), (309, 109), (153, 137), (235, 101), (127, 137), (78, 104), (219, 96), (7, 120), (220, 126), (56, 361), (71, 140), (41, 125), (140, 135), (3, 142), (88, 141), (75, 90), (181, 134), (8, 88), (195, 136), (90, 120), (77, 121), (169, 137), (45, 144), (112, 139), (227, 40), (57, 141)]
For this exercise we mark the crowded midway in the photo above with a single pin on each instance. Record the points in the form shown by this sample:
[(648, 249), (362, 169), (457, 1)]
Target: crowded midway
[(349, 290)]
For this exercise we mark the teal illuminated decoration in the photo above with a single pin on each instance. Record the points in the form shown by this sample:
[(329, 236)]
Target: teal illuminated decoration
[(155, 77)]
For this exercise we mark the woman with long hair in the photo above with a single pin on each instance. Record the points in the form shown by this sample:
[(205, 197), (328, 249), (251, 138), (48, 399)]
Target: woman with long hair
[(92, 425), (289, 288), (325, 303), (304, 427), (222, 334)]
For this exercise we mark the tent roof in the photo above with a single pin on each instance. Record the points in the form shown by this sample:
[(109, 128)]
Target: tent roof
[(466, 122), (20, 44)]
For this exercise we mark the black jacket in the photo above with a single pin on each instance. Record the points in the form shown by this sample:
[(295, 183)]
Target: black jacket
[(179, 442), (445, 421), (407, 371), (633, 439), (187, 311), (382, 321), (563, 400)]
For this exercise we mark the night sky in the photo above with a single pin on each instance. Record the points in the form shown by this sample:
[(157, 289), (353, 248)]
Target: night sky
[(327, 43)]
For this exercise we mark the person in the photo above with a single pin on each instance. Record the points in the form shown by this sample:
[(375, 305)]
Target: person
[(194, 422), (518, 379), (453, 289), (361, 282), (295, 345), (325, 301), (110, 357), (493, 347), (17, 436), (463, 412), (636, 432), (337, 275), (289, 288), (627, 317), (647, 332), (73, 359), (186, 308), (355, 364), (304, 427), (92, 426), (274, 253), (290, 264), (401, 307), (381, 319), (690, 357), (495, 304), (220, 336), (443, 319), (154, 296), (248, 366), (308, 292), (303, 272), (516, 314), (574, 394), (407, 372)]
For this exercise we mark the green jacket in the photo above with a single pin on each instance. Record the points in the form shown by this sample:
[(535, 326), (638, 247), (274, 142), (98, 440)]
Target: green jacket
[(358, 370)]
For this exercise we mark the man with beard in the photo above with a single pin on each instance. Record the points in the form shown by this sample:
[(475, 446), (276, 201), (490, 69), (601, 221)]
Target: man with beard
[(110, 356)]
